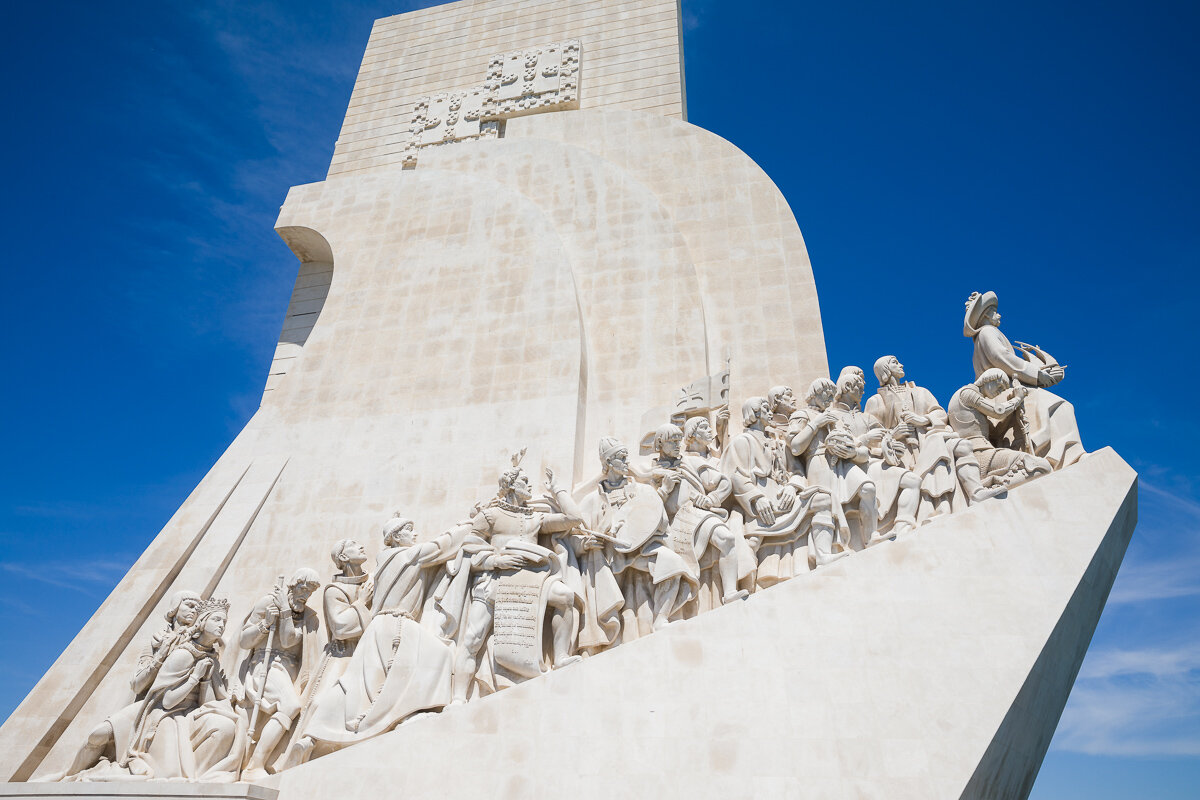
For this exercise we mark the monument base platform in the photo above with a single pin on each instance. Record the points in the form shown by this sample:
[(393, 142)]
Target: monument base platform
[(147, 790)]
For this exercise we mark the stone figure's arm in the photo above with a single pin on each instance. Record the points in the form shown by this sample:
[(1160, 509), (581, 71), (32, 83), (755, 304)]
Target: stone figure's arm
[(290, 632), (257, 626), (444, 546), (146, 666), (187, 672), (345, 620), (738, 465), (877, 408), (717, 486), (994, 408), (999, 353), (938, 418), (571, 516), (800, 433)]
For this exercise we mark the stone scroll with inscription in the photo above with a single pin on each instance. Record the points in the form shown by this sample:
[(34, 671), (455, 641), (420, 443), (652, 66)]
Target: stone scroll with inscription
[(517, 624), (682, 534)]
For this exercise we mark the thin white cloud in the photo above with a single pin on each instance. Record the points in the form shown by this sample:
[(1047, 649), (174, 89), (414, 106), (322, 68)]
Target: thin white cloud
[(85, 576), (1157, 580), (1142, 703)]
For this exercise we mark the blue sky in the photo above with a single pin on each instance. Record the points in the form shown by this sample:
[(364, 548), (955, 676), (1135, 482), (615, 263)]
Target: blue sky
[(1041, 149)]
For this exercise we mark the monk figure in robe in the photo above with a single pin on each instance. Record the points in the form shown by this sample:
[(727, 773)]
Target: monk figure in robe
[(398, 667)]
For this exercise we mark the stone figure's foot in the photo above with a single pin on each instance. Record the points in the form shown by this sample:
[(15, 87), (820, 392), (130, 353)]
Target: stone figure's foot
[(567, 661), (53, 777), (902, 526), (740, 594), (661, 623), (299, 752), (253, 775), (879, 538), (823, 560), (979, 495)]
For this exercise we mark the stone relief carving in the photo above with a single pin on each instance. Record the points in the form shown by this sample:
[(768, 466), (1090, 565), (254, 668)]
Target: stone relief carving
[(544, 78), (449, 117), (530, 81), (526, 584)]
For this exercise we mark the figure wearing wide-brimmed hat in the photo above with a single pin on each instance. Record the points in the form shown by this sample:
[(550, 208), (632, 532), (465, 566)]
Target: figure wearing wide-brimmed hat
[(1053, 433)]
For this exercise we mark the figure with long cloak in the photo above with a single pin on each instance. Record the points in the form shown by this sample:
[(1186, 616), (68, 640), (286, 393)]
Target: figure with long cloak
[(698, 529), (945, 463), (514, 571), (629, 520), (345, 603), (835, 461), (1052, 431), (186, 727), (398, 667), (897, 488), (109, 740), (282, 649), (775, 503)]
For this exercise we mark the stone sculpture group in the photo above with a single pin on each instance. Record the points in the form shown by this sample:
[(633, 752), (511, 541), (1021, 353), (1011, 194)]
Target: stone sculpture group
[(710, 519)]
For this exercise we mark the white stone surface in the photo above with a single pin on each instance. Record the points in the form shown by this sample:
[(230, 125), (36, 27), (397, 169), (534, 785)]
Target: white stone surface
[(633, 51), (935, 666), (544, 289), (136, 791)]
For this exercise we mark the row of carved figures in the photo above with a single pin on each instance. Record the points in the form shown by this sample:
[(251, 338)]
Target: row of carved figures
[(526, 584)]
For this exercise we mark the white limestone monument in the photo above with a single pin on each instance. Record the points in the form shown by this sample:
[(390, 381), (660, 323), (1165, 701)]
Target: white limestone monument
[(552, 492)]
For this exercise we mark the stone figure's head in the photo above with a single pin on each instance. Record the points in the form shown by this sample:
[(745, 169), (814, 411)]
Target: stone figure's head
[(820, 393), (993, 382), (515, 480), (348, 551), (398, 532), (211, 618), (755, 409), (888, 367), (982, 310), (699, 430), (182, 610), (614, 456), (850, 385), (781, 400), (668, 440), (301, 586)]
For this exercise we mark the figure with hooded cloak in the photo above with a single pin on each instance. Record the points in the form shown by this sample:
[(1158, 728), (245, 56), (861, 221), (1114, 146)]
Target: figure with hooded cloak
[(1052, 432)]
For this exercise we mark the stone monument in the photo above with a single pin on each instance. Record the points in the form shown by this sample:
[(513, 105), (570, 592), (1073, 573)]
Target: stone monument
[(525, 266)]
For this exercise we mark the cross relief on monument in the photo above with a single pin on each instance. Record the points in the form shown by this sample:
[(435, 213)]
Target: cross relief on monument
[(528, 81)]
